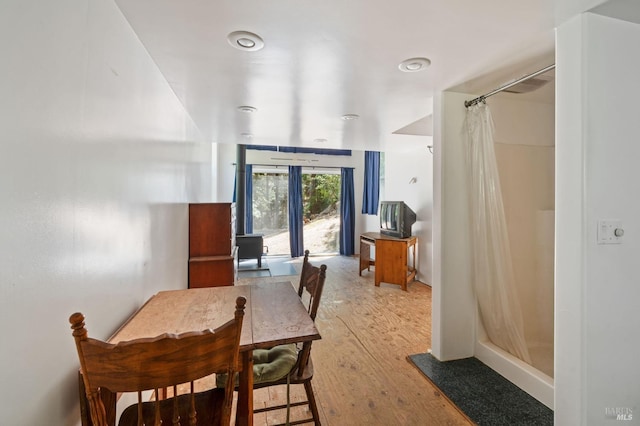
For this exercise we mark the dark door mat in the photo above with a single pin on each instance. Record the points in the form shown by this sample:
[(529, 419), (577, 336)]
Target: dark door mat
[(483, 395)]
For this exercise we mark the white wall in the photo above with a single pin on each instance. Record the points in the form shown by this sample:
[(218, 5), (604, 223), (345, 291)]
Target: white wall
[(567, 9), (454, 307), (97, 163), (226, 170), (409, 178), (597, 288)]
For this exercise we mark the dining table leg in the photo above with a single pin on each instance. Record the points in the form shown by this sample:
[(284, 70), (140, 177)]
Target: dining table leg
[(244, 410)]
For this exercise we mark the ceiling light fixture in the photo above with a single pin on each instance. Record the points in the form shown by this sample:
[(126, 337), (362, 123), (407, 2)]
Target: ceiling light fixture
[(349, 117), (244, 40), (414, 64), (247, 108), (246, 135), (320, 140)]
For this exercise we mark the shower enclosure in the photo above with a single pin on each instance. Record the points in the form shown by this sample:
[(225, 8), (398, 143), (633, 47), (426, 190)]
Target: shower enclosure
[(523, 143)]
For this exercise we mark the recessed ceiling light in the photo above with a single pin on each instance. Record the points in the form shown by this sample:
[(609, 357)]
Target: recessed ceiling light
[(246, 135), (414, 64), (247, 43), (348, 117), (320, 140), (247, 108), (245, 40)]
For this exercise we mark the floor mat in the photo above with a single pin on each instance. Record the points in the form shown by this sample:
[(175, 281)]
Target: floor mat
[(252, 265), (249, 268), (282, 266), (483, 395), (274, 267)]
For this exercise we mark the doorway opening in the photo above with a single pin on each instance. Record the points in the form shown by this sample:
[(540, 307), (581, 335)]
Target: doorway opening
[(321, 196)]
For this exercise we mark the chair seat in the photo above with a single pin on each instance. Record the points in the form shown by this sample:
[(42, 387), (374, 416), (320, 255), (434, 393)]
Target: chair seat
[(305, 376), (273, 364), (209, 405), (269, 365)]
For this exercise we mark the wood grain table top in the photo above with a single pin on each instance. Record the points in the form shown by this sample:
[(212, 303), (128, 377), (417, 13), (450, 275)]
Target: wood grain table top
[(274, 314)]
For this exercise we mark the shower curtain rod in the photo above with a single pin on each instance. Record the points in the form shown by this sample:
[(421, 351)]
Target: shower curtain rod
[(479, 99)]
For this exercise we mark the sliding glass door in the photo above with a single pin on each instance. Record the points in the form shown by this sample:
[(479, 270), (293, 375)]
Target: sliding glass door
[(270, 195), (321, 194)]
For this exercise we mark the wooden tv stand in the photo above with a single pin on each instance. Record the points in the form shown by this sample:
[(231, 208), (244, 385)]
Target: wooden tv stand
[(392, 255)]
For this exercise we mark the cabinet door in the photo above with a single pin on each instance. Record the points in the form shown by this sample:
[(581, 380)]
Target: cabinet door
[(211, 272), (210, 229), (391, 262)]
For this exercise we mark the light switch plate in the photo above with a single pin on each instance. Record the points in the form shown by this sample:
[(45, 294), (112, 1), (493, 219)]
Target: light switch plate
[(606, 231)]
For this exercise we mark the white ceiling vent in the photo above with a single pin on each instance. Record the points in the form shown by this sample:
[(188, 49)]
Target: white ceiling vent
[(530, 85)]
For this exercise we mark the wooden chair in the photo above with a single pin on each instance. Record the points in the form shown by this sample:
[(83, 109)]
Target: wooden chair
[(310, 278), (311, 284), (151, 364)]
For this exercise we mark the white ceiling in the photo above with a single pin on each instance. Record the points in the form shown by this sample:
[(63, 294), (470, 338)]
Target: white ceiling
[(324, 59)]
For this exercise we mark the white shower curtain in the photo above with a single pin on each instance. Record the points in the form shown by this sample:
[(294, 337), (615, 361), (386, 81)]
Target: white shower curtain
[(493, 276)]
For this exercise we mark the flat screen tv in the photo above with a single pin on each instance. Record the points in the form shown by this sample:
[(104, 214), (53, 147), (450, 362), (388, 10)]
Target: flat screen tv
[(396, 219)]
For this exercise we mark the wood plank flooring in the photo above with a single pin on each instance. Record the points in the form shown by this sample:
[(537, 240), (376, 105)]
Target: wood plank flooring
[(362, 376)]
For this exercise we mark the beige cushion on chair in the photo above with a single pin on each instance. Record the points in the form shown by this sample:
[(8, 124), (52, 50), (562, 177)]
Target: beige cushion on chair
[(269, 364)]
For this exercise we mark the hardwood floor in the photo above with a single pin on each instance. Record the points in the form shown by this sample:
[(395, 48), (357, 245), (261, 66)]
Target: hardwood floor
[(362, 375)]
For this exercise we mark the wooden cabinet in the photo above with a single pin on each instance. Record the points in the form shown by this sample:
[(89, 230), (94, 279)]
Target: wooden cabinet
[(212, 246), (392, 257)]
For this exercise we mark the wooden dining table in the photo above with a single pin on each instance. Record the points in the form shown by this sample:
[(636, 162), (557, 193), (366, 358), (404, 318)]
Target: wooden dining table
[(274, 315)]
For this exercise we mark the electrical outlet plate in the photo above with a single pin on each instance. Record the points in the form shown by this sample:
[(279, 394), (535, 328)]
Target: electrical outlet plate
[(606, 231)]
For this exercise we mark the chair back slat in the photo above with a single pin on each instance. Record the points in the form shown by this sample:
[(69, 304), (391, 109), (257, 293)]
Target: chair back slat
[(303, 272), (160, 362), (312, 281), (157, 414)]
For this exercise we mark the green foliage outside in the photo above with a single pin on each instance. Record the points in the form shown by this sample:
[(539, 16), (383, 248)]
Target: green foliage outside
[(270, 195), (321, 193)]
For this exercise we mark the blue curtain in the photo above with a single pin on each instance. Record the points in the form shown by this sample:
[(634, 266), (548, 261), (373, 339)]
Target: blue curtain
[(295, 211), (248, 204), (347, 213), (235, 182), (371, 194)]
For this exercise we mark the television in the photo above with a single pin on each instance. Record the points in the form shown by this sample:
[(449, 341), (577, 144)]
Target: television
[(396, 219)]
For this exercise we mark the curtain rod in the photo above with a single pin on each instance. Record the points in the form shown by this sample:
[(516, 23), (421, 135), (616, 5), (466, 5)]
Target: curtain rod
[(479, 99), (286, 166)]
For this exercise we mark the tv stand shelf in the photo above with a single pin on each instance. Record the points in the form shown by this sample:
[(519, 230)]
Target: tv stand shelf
[(391, 259)]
